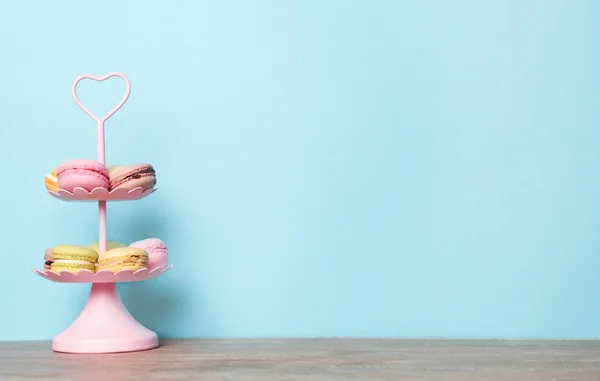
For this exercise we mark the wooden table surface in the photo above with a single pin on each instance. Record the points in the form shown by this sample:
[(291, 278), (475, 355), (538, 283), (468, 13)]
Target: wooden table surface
[(313, 359)]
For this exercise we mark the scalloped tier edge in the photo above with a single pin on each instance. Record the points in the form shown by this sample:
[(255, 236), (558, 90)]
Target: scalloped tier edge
[(102, 276), (101, 194)]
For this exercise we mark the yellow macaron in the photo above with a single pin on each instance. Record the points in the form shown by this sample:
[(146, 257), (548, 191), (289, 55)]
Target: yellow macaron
[(114, 168), (73, 258), (51, 181), (109, 245), (123, 258)]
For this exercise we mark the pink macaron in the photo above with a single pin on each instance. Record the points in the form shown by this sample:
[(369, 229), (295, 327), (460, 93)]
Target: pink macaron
[(82, 173), (157, 252), (48, 259)]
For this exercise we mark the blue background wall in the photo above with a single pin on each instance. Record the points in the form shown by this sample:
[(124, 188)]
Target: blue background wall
[(335, 168)]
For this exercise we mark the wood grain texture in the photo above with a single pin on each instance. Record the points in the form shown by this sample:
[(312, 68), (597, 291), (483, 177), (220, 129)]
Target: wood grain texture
[(313, 359)]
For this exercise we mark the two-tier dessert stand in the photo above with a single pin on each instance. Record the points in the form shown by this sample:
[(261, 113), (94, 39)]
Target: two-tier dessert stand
[(104, 325)]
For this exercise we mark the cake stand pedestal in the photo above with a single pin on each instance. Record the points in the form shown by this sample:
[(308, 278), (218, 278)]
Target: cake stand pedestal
[(105, 326)]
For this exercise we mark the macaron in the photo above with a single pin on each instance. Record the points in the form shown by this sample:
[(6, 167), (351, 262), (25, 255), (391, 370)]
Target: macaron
[(73, 258), (157, 252), (51, 181), (123, 258), (48, 259), (83, 173), (109, 245), (132, 176), (113, 168)]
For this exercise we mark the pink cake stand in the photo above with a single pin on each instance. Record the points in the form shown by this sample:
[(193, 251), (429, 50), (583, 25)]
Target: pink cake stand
[(105, 325)]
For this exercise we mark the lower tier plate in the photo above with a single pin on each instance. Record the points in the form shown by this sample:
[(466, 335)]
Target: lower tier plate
[(102, 276)]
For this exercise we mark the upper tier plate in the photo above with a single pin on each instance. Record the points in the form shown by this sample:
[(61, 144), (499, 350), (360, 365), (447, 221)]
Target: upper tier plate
[(102, 276), (100, 194)]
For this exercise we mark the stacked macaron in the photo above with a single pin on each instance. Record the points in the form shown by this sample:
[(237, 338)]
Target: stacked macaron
[(132, 176), (91, 174), (73, 259), (48, 259), (51, 181), (123, 258), (109, 245), (82, 173), (157, 252)]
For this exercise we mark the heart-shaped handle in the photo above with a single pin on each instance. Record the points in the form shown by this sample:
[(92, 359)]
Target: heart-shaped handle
[(100, 79)]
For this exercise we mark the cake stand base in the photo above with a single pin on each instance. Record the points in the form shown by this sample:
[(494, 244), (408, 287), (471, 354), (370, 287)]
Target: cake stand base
[(105, 326)]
